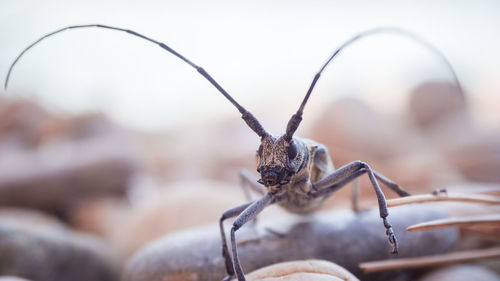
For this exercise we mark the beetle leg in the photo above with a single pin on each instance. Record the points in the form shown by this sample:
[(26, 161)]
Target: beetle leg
[(349, 172), (248, 183), (233, 212), (248, 214)]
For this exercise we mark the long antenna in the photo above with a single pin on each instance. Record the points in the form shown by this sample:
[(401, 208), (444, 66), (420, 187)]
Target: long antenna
[(294, 122), (251, 121)]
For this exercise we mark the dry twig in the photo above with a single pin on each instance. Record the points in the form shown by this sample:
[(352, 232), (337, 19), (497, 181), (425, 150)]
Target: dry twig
[(427, 261), (456, 197), (493, 219)]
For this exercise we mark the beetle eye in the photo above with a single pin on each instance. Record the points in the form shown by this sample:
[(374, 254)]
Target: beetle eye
[(292, 151)]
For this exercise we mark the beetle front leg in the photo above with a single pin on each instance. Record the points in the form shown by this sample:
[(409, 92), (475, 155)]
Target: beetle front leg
[(248, 214), (248, 183), (233, 212)]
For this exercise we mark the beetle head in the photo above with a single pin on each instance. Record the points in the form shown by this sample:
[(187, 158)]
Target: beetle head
[(278, 160)]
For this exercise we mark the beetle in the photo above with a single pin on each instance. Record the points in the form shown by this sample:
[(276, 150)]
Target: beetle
[(295, 173)]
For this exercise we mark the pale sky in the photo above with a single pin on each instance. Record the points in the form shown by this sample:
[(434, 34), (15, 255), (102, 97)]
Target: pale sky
[(264, 53)]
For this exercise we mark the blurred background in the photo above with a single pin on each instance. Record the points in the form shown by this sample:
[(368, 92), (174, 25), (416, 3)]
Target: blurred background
[(238, 43), (112, 135)]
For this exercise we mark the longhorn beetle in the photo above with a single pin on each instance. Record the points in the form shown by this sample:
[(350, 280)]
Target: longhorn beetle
[(296, 173)]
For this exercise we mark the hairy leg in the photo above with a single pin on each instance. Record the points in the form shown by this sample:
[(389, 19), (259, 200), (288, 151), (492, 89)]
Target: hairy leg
[(392, 185), (346, 174), (233, 212), (248, 214), (248, 183)]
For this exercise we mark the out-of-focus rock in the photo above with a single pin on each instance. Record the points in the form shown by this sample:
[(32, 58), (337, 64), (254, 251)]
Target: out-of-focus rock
[(353, 131), (100, 216), (29, 219), (52, 163), (306, 270), (461, 273), (127, 226), (342, 237), (38, 247), (12, 278), (436, 103), (440, 111), (476, 156), (209, 149), (24, 123), (55, 177), (177, 206)]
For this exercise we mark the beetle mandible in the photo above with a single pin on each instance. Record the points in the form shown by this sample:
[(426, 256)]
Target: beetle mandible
[(296, 173)]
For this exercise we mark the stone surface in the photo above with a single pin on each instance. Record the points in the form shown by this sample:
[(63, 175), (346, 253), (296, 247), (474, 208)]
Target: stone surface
[(389, 144), (52, 162), (442, 116), (178, 206), (12, 278), (433, 103), (341, 237), (461, 273), (38, 247)]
